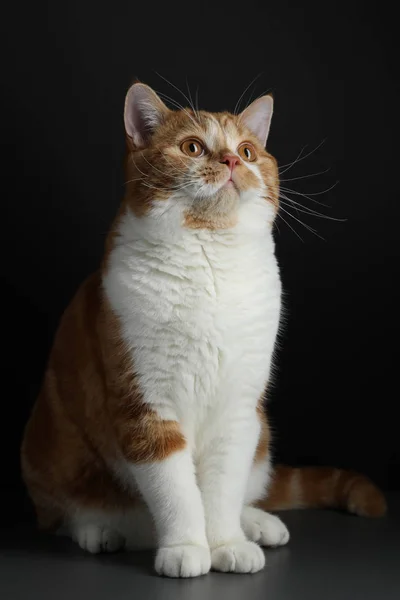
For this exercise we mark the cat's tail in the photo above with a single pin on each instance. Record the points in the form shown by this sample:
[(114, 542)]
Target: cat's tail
[(323, 487)]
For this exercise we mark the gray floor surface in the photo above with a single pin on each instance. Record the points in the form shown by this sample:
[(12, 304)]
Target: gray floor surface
[(331, 556)]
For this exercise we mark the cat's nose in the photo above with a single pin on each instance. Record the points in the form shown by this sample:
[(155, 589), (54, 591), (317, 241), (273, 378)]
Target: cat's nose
[(231, 161)]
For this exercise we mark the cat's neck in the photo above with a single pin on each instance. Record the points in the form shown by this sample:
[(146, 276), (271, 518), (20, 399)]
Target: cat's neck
[(165, 225)]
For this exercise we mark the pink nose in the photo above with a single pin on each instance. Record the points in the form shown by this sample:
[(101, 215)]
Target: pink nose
[(231, 161)]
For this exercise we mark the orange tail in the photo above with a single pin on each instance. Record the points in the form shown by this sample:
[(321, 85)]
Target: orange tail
[(324, 487)]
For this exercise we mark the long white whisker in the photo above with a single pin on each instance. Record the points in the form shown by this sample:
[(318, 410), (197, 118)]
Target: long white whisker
[(295, 160), (197, 101), (290, 200), (308, 196), (323, 191), (301, 223), (184, 167), (248, 103), (289, 225), (309, 211), (298, 159), (177, 105), (137, 168), (157, 169), (180, 91), (306, 176), (237, 105), (174, 86), (132, 180), (191, 100)]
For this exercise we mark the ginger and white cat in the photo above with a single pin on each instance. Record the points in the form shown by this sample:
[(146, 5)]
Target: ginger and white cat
[(150, 429)]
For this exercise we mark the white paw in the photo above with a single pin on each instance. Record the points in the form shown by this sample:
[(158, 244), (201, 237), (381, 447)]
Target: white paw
[(183, 561), (239, 557), (95, 539), (264, 528)]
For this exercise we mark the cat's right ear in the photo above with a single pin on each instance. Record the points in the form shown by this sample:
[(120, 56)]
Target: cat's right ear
[(144, 112)]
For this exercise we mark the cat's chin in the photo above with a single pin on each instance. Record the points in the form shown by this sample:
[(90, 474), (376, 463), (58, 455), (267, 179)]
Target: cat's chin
[(215, 212)]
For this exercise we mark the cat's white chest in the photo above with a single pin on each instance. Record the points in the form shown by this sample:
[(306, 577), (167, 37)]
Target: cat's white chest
[(200, 318)]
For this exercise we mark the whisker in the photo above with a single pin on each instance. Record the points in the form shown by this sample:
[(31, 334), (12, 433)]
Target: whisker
[(250, 101), (290, 200), (308, 196), (153, 187), (306, 176), (152, 166), (177, 105), (136, 167), (237, 105), (132, 180), (309, 211), (184, 167), (197, 100), (191, 100), (182, 93), (298, 159), (145, 183), (295, 160), (289, 225), (301, 223), (323, 191), (157, 169), (174, 86)]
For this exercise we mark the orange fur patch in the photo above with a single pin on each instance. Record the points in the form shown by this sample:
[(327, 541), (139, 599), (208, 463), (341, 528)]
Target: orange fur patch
[(89, 411), (323, 487), (264, 437), (196, 221)]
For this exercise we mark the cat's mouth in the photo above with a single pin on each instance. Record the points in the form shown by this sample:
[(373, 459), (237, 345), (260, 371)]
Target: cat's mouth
[(231, 181), (229, 188), (231, 184)]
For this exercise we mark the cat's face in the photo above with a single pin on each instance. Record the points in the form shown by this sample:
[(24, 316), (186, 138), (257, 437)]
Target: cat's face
[(204, 165)]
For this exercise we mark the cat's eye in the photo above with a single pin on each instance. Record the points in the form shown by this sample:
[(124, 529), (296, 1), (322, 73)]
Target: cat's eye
[(247, 152), (193, 148)]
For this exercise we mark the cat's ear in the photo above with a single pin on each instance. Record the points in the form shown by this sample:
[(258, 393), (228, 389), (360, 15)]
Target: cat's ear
[(257, 117), (144, 112)]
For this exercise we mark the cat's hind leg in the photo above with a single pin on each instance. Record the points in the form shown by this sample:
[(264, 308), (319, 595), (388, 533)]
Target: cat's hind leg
[(104, 531), (260, 526), (95, 538), (263, 528)]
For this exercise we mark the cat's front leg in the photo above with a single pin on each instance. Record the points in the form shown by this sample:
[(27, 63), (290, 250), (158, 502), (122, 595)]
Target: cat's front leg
[(158, 461), (223, 472), (170, 490)]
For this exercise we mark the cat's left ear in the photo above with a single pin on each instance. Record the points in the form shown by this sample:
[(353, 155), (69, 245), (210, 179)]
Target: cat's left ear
[(257, 117)]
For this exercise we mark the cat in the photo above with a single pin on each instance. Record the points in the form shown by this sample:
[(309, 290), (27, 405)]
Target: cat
[(150, 429)]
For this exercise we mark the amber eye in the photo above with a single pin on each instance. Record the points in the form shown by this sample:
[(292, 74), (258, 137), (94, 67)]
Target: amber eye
[(192, 148), (247, 152)]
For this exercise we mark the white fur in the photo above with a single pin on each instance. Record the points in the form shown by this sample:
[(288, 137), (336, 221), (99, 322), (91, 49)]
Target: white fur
[(134, 528), (259, 480), (199, 311), (183, 561), (238, 557), (96, 538), (263, 528)]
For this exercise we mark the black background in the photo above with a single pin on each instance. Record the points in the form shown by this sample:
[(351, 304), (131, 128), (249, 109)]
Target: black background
[(333, 70)]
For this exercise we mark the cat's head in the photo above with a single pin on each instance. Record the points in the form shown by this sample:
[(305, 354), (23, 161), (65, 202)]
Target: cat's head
[(203, 167)]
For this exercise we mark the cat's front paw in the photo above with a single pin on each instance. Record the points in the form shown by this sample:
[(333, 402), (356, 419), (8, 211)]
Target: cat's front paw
[(264, 528), (239, 557), (183, 561)]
